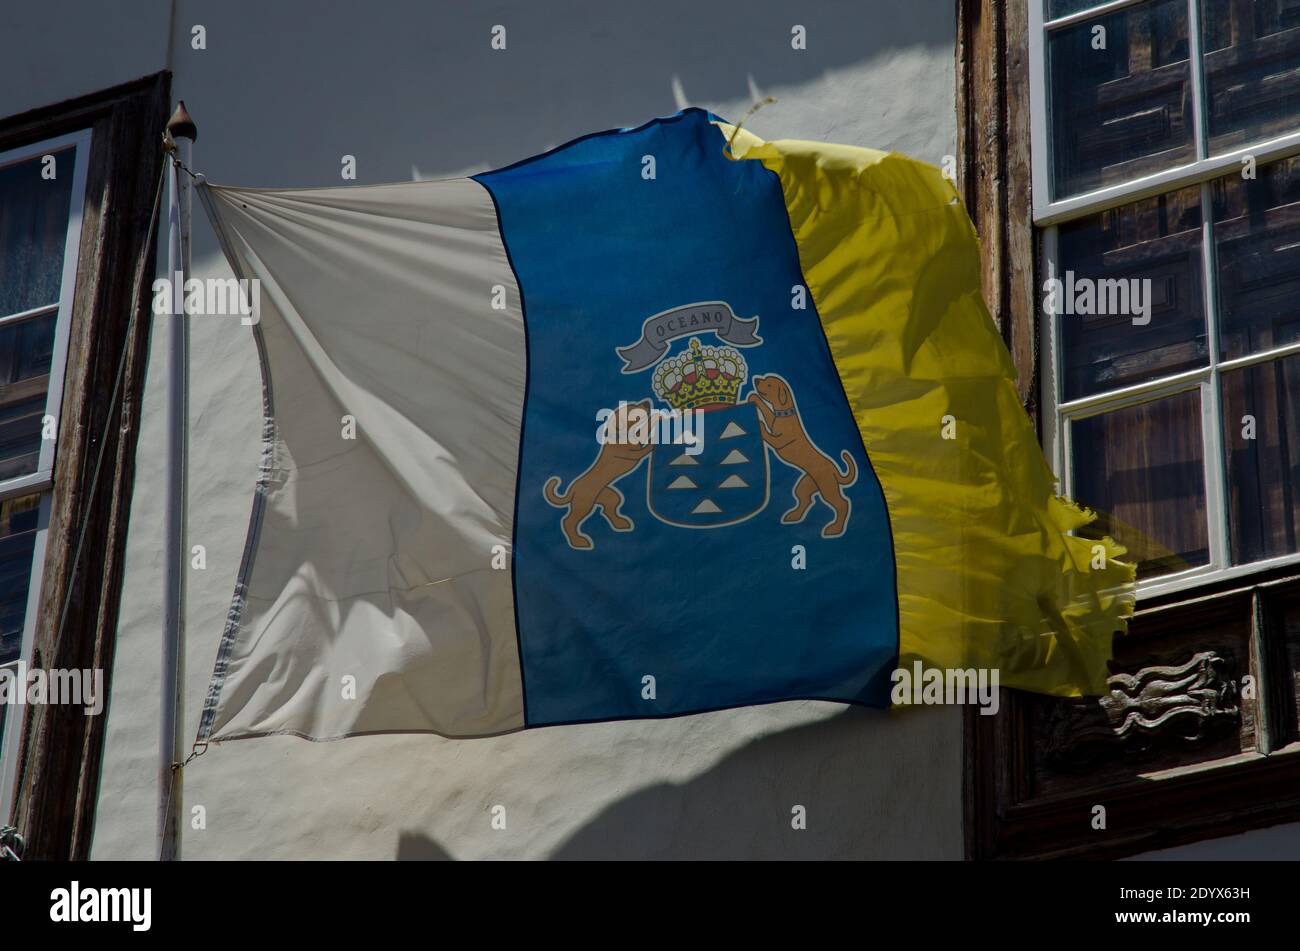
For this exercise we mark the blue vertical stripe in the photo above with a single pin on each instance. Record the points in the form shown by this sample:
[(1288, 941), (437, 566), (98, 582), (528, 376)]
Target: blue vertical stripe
[(708, 599)]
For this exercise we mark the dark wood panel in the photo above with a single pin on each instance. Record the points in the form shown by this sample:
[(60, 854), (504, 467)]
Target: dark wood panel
[(994, 170), (1174, 701), (1287, 634), (1226, 760)]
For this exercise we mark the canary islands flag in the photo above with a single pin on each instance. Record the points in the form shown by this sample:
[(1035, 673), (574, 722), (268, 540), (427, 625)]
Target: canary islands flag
[(665, 420)]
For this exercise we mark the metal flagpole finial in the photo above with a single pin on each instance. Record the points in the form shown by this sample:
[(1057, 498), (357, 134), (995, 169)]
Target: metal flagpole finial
[(181, 125)]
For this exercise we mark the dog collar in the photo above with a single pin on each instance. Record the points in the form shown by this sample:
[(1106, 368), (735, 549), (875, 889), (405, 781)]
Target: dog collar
[(783, 412)]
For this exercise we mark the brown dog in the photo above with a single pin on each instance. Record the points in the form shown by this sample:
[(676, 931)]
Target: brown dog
[(596, 486), (784, 432)]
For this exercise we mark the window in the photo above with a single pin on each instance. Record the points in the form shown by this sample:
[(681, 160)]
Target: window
[(80, 183), (42, 187), (1160, 144), (1166, 178), (77, 249)]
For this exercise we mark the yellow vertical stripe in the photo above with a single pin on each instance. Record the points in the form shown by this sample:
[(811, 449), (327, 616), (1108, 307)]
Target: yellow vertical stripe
[(987, 575)]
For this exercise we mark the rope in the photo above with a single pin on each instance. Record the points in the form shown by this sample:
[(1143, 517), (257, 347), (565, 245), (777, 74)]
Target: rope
[(11, 845), (198, 750), (169, 146), (199, 177), (765, 101)]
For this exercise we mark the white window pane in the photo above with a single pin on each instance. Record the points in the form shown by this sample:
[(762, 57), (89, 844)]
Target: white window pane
[(1156, 242), (1142, 469), (1261, 436), (1251, 50), (33, 231), (18, 520), (1119, 96), (26, 352), (1257, 240)]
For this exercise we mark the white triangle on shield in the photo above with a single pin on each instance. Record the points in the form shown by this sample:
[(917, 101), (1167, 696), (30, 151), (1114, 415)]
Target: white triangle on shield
[(682, 482), (735, 458), (732, 481), (732, 431), (684, 460), (706, 508)]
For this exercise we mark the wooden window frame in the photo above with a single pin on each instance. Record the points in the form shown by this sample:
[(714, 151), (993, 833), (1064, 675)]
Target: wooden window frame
[(60, 748), (41, 481), (1006, 195)]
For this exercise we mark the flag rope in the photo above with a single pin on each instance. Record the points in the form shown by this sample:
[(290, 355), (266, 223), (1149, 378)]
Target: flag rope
[(199, 177), (198, 750), (765, 101)]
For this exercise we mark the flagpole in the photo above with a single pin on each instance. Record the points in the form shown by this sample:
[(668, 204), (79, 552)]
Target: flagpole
[(181, 134)]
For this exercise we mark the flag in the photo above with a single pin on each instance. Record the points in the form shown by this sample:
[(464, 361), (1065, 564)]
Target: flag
[(667, 419)]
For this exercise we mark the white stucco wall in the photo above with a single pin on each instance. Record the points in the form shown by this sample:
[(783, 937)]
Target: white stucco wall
[(413, 90)]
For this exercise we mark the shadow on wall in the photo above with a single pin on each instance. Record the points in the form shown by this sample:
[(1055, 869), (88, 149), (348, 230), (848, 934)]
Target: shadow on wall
[(413, 89), (742, 808), (416, 847)]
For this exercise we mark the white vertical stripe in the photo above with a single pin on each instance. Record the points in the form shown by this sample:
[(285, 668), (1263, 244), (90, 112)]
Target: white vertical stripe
[(374, 555)]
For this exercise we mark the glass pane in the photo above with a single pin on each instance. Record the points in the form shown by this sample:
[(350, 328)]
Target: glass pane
[(26, 351), (1157, 243), (33, 229), (1141, 469), (1251, 51), (1120, 96), (17, 538), (1257, 238), (1261, 436)]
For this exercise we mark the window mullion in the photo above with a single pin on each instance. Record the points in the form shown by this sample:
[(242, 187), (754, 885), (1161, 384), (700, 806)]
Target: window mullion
[(1212, 395), (1108, 400), (29, 314), (1197, 71), (1049, 376), (1039, 155), (1091, 13), (26, 485), (1260, 356), (1171, 179)]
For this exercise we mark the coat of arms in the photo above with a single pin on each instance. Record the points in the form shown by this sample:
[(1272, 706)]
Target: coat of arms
[(707, 447)]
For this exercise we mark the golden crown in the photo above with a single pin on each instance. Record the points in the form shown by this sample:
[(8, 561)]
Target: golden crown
[(699, 376)]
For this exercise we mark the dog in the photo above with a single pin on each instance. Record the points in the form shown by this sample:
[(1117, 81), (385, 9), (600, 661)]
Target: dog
[(595, 487), (783, 431)]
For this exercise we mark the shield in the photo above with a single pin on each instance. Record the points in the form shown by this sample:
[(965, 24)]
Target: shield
[(725, 483)]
